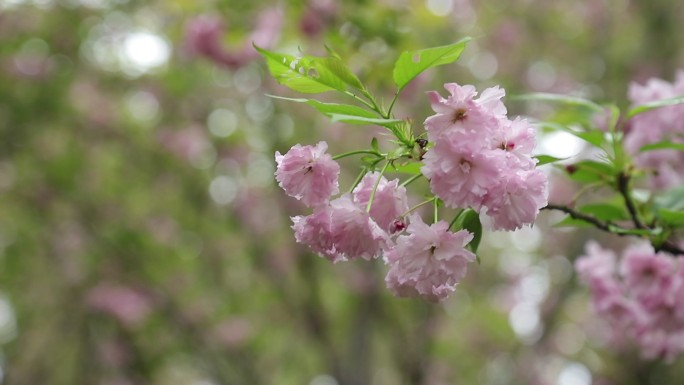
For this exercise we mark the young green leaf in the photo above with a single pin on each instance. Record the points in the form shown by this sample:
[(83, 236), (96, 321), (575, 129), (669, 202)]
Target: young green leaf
[(546, 159), (653, 105), (596, 138), (351, 119), (572, 222), (589, 171), (605, 211), (672, 218), (374, 145), (470, 220), (305, 74), (562, 99), (672, 200), (664, 145), (332, 108), (339, 69), (411, 63), (412, 168)]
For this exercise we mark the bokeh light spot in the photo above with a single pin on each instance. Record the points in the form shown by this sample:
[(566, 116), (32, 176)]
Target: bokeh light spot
[(145, 50), (222, 122)]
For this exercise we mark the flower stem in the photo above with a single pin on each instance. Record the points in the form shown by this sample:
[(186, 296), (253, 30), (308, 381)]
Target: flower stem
[(363, 172), (376, 108), (375, 188), (410, 180), (350, 153), (363, 101), (436, 210), (414, 208), (391, 106), (456, 218)]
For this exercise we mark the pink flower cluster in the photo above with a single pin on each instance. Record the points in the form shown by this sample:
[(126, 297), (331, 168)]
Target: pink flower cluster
[(666, 167), (483, 160), (641, 296), (477, 158), (429, 261)]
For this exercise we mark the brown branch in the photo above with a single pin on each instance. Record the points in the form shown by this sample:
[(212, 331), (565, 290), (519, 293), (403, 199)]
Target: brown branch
[(582, 217), (667, 246), (623, 188)]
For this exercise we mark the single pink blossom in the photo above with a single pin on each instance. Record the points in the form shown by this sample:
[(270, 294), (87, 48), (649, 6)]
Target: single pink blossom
[(390, 200), (515, 200), (462, 112), (676, 292), (308, 173), (266, 33), (341, 231), (318, 15), (646, 273), (203, 37), (596, 264), (659, 344), (429, 261), (461, 172), (129, 306), (518, 138), (490, 100), (617, 309)]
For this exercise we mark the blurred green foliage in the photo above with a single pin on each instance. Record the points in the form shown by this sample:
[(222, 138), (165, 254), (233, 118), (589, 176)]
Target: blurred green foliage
[(144, 242)]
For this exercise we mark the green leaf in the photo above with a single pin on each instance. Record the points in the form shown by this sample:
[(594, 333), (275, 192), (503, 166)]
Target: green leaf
[(572, 222), (664, 145), (370, 161), (654, 105), (305, 74), (374, 145), (332, 108), (672, 200), (589, 171), (339, 69), (572, 115), (411, 63), (595, 137), (469, 220), (558, 98), (637, 232), (672, 218), (546, 159), (605, 211), (412, 168), (352, 119), (614, 115)]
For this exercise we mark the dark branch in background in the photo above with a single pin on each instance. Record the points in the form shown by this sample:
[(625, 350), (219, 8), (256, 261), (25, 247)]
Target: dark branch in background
[(608, 227), (581, 216), (623, 188)]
